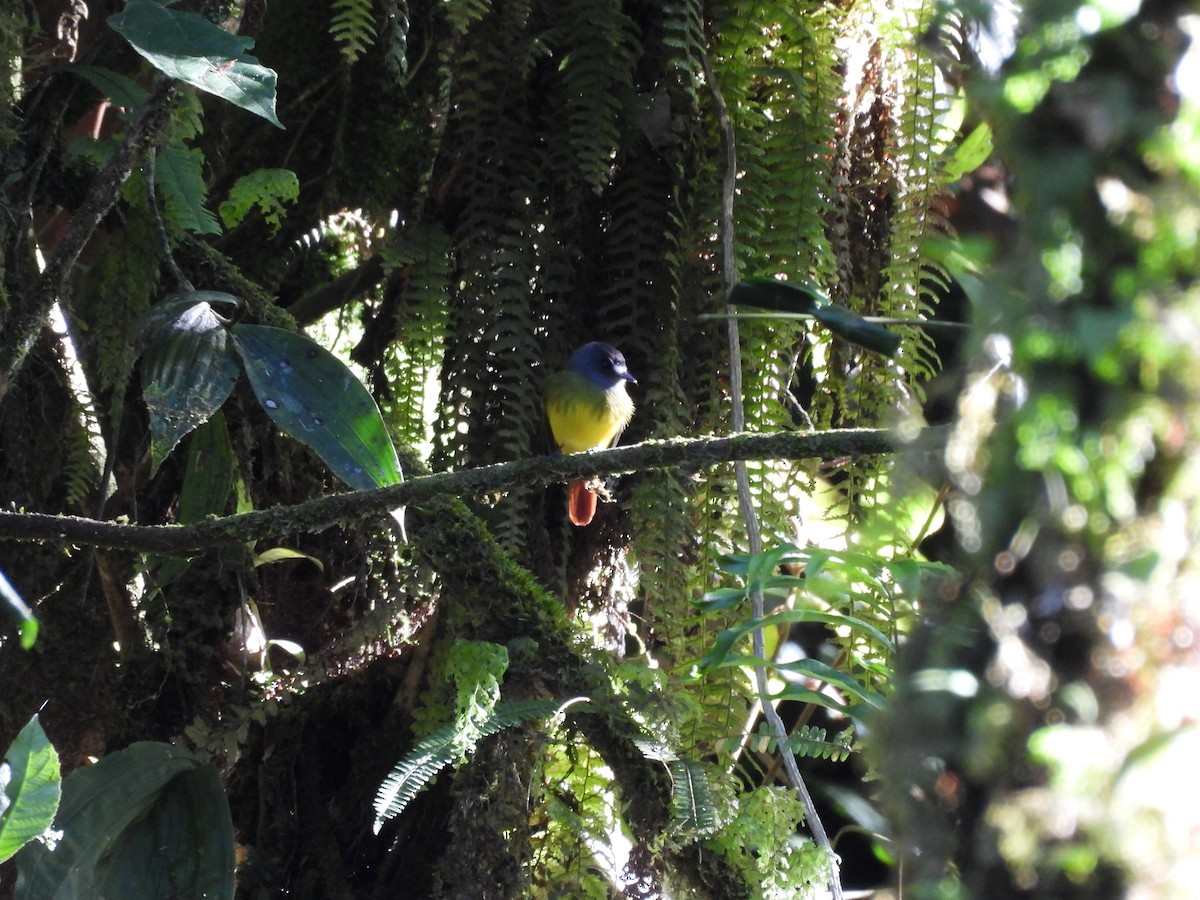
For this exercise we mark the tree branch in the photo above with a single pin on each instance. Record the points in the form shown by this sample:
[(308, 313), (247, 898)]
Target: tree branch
[(358, 506), (23, 328)]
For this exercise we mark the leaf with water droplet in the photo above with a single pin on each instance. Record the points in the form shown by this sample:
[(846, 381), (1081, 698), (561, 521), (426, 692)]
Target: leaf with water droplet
[(315, 398), (188, 368)]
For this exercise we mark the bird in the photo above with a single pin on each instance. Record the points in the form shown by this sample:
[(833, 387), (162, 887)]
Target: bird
[(588, 408)]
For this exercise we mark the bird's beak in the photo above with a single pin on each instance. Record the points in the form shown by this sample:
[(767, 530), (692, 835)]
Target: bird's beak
[(629, 377)]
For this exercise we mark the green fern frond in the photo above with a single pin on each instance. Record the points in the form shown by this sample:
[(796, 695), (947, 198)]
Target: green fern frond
[(807, 742), (180, 183), (461, 14), (596, 43), (421, 764), (353, 27), (267, 189), (418, 259), (693, 812), (80, 470)]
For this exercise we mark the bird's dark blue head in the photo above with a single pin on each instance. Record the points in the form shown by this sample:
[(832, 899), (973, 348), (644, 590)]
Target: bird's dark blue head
[(602, 364)]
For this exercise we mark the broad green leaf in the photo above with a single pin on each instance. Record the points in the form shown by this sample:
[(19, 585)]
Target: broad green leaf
[(188, 371), (179, 177), (29, 789), (972, 153), (804, 299), (207, 483), (183, 847), (20, 611), (189, 47), (141, 819), (310, 394), (721, 599), (210, 474)]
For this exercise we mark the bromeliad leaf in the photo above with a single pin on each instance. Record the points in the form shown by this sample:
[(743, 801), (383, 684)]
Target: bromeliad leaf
[(188, 369), (311, 395), (189, 47)]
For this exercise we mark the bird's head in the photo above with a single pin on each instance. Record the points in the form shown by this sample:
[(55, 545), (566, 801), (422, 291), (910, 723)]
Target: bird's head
[(602, 364)]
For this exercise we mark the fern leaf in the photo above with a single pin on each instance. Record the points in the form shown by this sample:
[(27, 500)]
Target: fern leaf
[(693, 812), (180, 182), (353, 28), (421, 764), (267, 189)]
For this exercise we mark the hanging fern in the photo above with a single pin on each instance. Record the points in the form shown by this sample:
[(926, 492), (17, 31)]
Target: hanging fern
[(353, 27), (80, 471), (395, 36), (461, 14), (421, 764), (419, 257), (596, 45)]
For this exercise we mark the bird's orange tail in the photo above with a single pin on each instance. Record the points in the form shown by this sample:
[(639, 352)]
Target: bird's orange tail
[(581, 503)]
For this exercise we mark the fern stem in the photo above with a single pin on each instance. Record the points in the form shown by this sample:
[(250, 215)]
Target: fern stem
[(745, 497)]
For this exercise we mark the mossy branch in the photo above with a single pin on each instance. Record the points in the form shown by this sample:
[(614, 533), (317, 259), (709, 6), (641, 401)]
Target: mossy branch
[(318, 515)]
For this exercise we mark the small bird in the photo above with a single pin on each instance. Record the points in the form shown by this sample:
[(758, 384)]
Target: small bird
[(588, 409)]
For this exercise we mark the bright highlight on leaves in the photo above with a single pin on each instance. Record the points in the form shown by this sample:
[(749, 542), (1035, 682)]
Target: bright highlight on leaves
[(20, 611), (311, 395), (189, 47)]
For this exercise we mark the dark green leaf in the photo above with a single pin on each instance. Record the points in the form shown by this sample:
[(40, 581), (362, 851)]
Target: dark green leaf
[(210, 473), (188, 371), (20, 611), (182, 848), (310, 394), (29, 789), (189, 47), (693, 812), (142, 818), (122, 91), (804, 299), (721, 599)]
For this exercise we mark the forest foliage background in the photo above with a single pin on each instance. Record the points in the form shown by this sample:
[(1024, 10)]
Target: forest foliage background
[(962, 577)]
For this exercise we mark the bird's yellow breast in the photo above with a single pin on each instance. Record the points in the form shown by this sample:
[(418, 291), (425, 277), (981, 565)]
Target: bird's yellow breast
[(584, 417)]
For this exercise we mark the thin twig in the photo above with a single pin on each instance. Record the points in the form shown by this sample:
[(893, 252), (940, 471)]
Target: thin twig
[(745, 498), (160, 226)]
